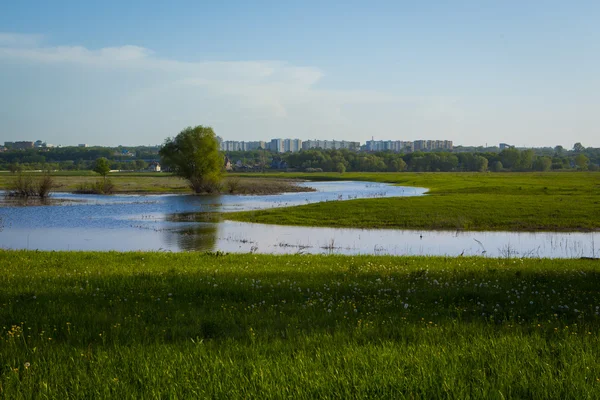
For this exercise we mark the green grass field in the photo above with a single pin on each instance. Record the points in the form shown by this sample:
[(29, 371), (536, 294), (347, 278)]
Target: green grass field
[(160, 183), (131, 182), (156, 325), (471, 201)]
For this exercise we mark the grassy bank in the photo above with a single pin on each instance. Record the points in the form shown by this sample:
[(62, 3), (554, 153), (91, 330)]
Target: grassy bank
[(152, 325), (157, 183), (510, 201)]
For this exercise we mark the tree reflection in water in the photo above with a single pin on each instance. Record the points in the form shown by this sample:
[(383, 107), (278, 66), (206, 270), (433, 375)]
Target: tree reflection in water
[(201, 237)]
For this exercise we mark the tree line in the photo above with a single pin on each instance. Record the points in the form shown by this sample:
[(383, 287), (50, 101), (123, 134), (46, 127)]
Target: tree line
[(77, 158), (506, 160), (511, 159)]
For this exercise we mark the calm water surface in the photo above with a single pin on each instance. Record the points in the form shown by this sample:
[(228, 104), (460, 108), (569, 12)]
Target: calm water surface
[(154, 222)]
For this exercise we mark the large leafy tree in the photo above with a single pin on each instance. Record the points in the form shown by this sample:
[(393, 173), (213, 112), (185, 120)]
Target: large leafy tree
[(102, 167), (194, 155)]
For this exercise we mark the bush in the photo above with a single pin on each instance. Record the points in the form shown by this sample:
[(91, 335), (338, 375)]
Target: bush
[(25, 185), (44, 185), (233, 184), (99, 187), (313, 170), (205, 184)]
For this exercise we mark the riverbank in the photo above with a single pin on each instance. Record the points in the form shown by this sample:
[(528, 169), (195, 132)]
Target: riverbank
[(455, 201), (164, 183), (132, 325)]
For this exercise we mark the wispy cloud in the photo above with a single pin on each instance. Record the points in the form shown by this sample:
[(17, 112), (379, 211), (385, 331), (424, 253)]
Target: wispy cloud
[(247, 99)]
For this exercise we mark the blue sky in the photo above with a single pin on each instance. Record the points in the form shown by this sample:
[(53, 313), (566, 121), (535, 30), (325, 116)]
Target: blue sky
[(474, 72)]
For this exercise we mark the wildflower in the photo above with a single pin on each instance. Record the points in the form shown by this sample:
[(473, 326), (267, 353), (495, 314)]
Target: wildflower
[(27, 365), (405, 305)]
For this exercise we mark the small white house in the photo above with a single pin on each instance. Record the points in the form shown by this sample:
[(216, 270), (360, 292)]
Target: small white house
[(154, 167)]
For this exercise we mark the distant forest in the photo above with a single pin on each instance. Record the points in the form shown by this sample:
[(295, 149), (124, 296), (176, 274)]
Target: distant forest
[(78, 158), (316, 160), (497, 161)]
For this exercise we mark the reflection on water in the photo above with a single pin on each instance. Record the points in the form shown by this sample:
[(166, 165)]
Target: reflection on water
[(247, 237), (169, 223), (194, 237)]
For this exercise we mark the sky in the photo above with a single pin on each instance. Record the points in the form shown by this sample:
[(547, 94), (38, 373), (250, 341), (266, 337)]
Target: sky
[(135, 72)]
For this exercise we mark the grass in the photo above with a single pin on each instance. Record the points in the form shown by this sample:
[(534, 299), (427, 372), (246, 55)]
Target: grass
[(156, 183), (156, 325), (511, 201)]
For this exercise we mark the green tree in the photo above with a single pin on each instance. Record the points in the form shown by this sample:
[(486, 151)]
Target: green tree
[(194, 155), (15, 167), (140, 165), (559, 150), (542, 164), (481, 163), (582, 162), (102, 167), (397, 165), (497, 166), (578, 147), (510, 158), (340, 167)]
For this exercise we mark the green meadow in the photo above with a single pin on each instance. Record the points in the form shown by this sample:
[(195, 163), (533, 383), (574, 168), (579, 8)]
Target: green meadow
[(472, 201), (189, 325), (159, 183)]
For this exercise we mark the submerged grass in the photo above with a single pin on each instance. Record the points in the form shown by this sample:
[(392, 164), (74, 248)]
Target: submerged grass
[(511, 201), (155, 325)]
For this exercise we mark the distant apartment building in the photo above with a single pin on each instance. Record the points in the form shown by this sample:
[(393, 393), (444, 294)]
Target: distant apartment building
[(330, 145), (258, 145), (397, 146), (231, 145), (276, 146), (292, 145), (400, 146), (503, 146), (23, 145), (82, 145), (234, 145)]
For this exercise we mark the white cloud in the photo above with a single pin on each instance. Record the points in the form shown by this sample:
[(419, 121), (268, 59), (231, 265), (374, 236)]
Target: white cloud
[(248, 99)]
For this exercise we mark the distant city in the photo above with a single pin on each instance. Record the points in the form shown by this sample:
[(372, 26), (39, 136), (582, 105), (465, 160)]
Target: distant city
[(292, 145), (295, 145)]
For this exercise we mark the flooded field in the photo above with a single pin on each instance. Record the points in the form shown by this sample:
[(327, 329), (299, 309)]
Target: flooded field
[(166, 223)]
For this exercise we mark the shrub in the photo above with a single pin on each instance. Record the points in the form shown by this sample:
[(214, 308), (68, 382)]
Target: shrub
[(99, 187), (205, 184), (44, 185), (233, 184), (25, 185)]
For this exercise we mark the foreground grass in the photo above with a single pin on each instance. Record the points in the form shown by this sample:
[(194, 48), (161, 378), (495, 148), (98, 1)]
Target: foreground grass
[(511, 201), (152, 325)]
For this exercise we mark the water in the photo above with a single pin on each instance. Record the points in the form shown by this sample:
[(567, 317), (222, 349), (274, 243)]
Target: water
[(158, 223)]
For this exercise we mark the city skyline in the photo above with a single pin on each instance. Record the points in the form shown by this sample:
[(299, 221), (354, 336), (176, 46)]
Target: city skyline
[(81, 72)]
